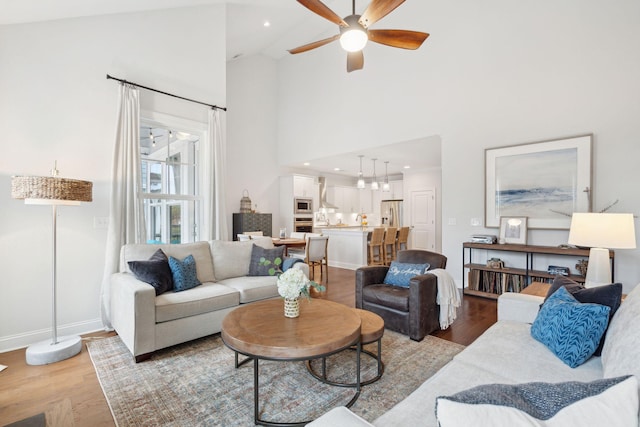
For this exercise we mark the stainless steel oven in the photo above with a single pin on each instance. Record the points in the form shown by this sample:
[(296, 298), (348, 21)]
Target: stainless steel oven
[(303, 224), (302, 206)]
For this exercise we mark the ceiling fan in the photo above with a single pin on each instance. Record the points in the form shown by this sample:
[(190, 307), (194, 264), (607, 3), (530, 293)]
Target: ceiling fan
[(355, 32)]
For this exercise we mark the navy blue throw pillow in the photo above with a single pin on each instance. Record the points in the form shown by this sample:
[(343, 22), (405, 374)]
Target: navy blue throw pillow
[(400, 274), (155, 271)]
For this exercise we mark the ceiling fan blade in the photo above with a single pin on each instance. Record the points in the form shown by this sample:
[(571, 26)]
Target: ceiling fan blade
[(377, 10), (313, 45), (355, 61), (319, 8), (398, 38)]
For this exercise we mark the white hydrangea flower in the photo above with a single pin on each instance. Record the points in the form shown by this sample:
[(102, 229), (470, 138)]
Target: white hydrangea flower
[(292, 283)]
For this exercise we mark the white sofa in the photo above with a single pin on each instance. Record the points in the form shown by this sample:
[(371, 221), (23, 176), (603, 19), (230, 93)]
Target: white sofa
[(146, 322), (507, 354)]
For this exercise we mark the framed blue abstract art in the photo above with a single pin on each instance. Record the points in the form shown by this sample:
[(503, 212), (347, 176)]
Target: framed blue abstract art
[(544, 181)]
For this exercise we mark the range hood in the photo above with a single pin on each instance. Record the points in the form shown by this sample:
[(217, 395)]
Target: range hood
[(322, 181)]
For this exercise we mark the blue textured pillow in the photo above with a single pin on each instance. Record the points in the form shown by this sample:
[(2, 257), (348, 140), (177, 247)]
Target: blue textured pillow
[(609, 295), (400, 274), (570, 329), (184, 273)]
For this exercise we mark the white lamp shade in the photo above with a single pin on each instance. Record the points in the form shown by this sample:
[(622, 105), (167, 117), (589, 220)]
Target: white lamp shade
[(603, 230)]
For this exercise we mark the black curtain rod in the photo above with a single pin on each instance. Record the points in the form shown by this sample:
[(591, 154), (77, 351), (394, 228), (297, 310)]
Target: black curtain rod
[(166, 93)]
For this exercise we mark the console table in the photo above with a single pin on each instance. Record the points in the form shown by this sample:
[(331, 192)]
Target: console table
[(490, 282)]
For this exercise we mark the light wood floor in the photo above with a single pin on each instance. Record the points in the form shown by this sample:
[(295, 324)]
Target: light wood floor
[(69, 394)]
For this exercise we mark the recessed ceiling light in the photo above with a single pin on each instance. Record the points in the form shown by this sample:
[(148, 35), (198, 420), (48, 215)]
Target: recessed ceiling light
[(306, 163), (407, 167), (336, 169), (267, 24)]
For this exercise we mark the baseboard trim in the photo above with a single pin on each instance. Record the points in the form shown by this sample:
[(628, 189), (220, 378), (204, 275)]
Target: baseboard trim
[(18, 341)]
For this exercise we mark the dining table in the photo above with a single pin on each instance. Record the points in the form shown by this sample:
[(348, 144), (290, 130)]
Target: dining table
[(289, 243)]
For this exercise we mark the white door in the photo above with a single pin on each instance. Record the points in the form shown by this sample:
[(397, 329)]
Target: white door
[(423, 220)]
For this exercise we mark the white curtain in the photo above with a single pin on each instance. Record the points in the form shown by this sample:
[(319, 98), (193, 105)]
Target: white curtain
[(214, 173), (126, 211)]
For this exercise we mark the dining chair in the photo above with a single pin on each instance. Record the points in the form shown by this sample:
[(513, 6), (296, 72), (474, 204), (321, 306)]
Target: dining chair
[(317, 254), (297, 251), (376, 256), (403, 238), (389, 245)]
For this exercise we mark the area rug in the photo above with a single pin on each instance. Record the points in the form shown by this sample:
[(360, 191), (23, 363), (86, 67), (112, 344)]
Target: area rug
[(196, 384)]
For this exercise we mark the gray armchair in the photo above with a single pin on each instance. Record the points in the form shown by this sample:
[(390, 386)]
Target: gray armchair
[(411, 311)]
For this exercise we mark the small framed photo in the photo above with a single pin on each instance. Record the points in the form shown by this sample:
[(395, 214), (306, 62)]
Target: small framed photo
[(513, 229)]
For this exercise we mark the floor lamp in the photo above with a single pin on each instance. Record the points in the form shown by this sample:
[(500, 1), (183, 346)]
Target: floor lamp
[(601, 232), (54, 191)]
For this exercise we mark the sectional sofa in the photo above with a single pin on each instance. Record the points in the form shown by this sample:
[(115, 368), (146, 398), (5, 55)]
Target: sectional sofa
[(147, 322), (508, 354)]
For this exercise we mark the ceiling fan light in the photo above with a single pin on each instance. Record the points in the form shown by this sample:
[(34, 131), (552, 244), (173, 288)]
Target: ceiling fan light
[(353, 39)]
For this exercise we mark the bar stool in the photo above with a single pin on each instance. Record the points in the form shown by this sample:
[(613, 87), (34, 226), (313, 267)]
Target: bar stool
[(403, 238), (377, 237), (389, 245)]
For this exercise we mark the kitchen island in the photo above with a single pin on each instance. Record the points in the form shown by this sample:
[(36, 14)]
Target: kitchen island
[(347, 245)]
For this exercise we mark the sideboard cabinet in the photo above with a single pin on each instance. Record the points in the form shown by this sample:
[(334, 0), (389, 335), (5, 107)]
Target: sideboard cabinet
[(491, 281), (243, 222)]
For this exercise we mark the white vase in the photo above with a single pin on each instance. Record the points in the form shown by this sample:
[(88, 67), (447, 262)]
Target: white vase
[(291, 307)]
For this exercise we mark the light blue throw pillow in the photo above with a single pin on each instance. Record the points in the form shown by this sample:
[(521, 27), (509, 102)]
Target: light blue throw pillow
[(570, 329), (400, 274), (184, 273)]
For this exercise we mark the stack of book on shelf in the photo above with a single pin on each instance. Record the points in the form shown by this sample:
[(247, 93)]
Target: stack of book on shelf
[(496, 282)]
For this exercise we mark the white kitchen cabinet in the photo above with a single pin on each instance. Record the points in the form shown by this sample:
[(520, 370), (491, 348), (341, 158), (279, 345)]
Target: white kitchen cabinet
[(366, 206), (303, 186), (346, 199), (395, 191), (376, 198)]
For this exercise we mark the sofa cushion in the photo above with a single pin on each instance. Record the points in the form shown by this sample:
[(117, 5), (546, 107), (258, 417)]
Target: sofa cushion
[(609, 295), (505, 341), (230, 259), (273, 258), (154, 271), (610, 402), (184, 273), (203, 299), (200, 251), (253, 288), (400, 273), (620, 351), (388, 295), (570, 329)]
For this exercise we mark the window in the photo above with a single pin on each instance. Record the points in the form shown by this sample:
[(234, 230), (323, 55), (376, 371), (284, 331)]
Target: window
[(170, 183)]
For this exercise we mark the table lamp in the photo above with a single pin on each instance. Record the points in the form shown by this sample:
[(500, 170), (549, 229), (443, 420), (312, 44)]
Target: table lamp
[(601, 232), (54, 191)]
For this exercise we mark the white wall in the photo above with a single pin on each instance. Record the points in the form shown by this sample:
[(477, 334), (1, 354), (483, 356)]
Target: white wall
[(491, 74), (251, 136), (56, 104)]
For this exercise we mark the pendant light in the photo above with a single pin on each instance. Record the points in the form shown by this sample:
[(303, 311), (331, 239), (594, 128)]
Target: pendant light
[(385, 185), (374, 180), (360, 176)]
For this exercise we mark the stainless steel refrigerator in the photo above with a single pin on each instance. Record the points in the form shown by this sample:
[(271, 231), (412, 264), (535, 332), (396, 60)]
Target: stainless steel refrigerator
[(391, 213)]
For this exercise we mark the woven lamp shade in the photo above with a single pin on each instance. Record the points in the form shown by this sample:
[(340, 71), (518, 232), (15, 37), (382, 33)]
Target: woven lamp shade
[(51, 188)]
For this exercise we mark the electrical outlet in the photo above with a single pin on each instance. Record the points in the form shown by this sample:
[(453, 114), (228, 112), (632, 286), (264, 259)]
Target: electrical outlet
[(100, 222), (475, 222), (452, 221)]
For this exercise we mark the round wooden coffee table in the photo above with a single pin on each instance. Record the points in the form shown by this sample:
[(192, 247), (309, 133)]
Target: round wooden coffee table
[(260, 331), (371, 330)]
